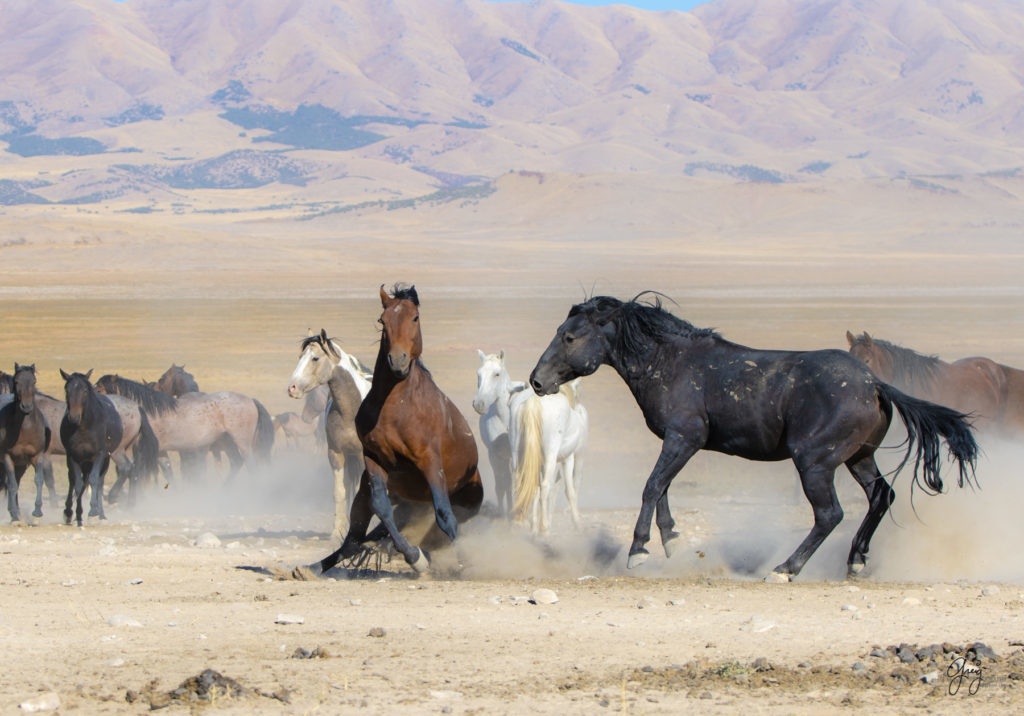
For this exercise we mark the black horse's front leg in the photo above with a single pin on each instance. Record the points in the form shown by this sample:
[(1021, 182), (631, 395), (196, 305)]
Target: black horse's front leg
[(676, 450), (359, 521), (11, 482)]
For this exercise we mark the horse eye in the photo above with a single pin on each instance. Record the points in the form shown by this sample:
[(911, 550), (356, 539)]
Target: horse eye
[(380, 321), (415, 319), (569, 338), (316, 358)]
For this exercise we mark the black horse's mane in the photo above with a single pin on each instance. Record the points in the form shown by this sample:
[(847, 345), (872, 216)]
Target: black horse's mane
[(909, 365), (640, 323), (151, 400)]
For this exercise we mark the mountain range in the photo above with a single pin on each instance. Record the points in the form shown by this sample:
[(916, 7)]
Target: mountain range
[(316, 107)]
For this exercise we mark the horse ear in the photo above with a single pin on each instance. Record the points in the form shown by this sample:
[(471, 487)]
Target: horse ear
[(16, 367), (867, 339), (323, 336), (850, 339), (501, 356), (480, 353), (385, 299), (64, 375), (89, 374), (413, 295), (309, 332)]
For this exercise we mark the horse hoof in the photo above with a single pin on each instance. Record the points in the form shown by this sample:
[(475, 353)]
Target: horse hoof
[(779, 578), (422, 564), (635, 560), (307, 572), (853, 570), (670, 545), (37, 513)]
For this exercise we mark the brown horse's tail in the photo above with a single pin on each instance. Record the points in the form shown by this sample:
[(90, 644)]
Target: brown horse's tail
[(263, 439), (526, 481), (926, 424), (146, 453)]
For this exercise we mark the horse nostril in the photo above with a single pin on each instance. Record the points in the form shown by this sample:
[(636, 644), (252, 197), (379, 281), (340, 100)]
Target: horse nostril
[(535, 384)]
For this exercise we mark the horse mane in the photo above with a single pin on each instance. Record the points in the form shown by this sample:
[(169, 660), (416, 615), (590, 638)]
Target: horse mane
[(641, 323), (150, 399), (6, 382), (909, 365), (406, 293), (354, 362)]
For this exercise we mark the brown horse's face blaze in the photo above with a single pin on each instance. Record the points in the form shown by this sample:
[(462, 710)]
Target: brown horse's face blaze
[(25, 387), (400, 321)]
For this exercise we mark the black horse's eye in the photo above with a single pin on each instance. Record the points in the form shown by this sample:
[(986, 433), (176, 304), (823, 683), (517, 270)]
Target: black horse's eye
[(569, 338)]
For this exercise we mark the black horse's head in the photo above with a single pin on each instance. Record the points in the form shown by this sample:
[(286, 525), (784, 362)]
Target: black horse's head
[(581, 344), (77, 391), (25, 387)]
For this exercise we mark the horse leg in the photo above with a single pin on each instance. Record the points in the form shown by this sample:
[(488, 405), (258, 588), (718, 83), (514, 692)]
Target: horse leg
[(359, 521), (500, 458), (676, 450), (337, 461), (548, 474), (98, 468), (12, 489), (74, 477), (570, 474), (381, 505), (880, 498), (818, 482), (42, 468)]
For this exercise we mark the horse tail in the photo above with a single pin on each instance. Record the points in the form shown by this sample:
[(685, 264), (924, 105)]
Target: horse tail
[(526, 481), (263, 439), (926, 422), (146, 453)]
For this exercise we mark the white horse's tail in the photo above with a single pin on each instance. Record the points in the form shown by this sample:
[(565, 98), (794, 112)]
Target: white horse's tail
[(526, 481)]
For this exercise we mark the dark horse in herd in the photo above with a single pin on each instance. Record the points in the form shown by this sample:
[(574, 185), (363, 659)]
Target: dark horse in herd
[(698, 391), (417, 446)]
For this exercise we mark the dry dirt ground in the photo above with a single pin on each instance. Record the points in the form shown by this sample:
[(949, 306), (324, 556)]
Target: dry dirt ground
[(129, 614)]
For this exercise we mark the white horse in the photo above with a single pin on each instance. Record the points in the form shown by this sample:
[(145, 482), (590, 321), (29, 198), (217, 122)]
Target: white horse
[(323, 362), (546, 436), (494, 388)]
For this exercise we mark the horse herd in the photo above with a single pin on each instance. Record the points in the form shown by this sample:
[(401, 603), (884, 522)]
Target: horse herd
[(394, 439)]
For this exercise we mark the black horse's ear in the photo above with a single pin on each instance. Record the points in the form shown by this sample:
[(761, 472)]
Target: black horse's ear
[(64, 375), (89, 374), (850, 339), (16, 367)]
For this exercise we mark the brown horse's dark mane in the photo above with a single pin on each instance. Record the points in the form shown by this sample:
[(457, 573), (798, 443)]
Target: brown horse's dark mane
[(151, 400), (403, 293), (908, 365)]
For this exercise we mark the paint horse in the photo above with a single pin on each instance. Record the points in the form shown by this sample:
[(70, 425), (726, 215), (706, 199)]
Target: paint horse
[(417, 446), (323, 362)]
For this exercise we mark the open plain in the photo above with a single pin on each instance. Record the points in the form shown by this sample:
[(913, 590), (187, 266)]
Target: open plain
[(127, 615)]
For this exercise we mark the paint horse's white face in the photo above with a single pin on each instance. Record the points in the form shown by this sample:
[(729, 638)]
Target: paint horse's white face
[(313, 369), (492, 381)]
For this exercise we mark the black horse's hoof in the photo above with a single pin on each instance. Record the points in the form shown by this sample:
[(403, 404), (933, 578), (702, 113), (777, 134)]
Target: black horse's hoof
[(637, 558), (37, 513)]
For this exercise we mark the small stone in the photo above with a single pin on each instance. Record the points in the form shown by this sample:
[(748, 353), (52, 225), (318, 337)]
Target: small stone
[(989, 591), (911, 602), (677, 602), (860, 666), (444, 694), (355, 602), (137, 580), (906, 655), (646, 603), (207, 540), (848, 608), (761, 664), (495, 600), (931, 677), (377, 632), (756, 625), (543, 596), (880, 654), (48, 701), (289, 619), (120, 620), (115, 662)]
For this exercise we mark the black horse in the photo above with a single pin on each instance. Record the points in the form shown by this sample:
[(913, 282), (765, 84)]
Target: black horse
[(24, 435), (697, 391), (91, 430)]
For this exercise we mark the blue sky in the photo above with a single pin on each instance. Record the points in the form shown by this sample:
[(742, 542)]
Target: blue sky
[(645, 4)]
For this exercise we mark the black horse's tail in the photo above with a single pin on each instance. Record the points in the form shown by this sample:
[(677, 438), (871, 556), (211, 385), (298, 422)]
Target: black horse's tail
[(926, 423), (263, 440), (146, 454)]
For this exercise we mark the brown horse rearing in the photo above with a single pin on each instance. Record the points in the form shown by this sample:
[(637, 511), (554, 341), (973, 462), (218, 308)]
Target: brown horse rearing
[(990, 393), (416, 444)]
